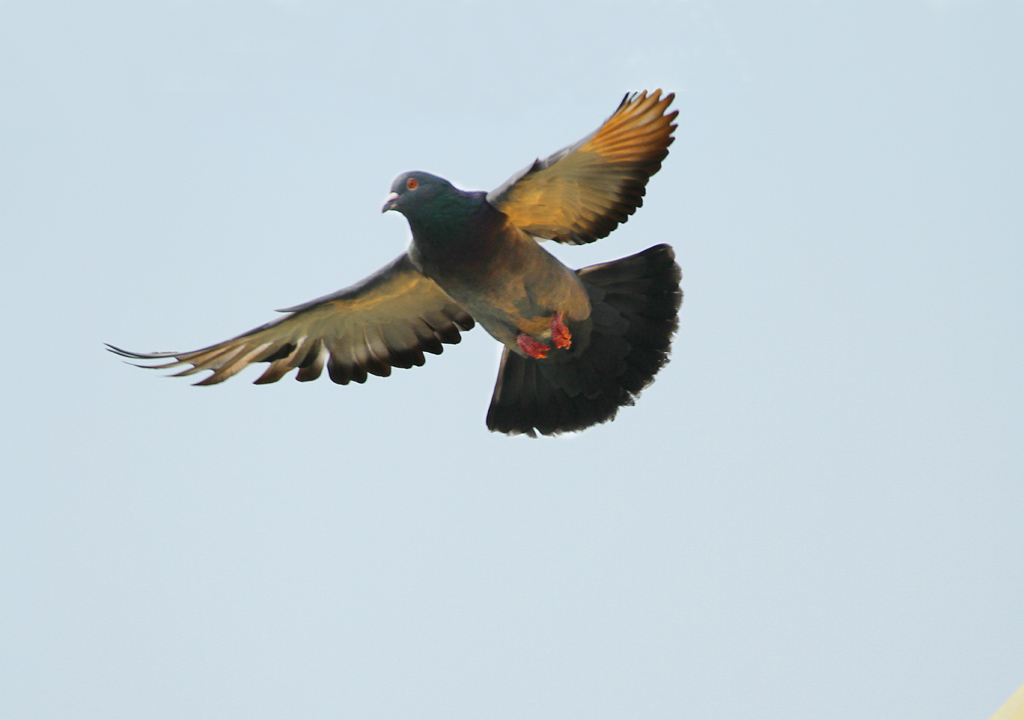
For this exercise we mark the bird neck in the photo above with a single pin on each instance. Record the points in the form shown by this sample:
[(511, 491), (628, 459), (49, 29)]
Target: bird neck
[(457, 225)]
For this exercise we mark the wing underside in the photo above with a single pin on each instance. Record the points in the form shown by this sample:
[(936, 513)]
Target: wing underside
[(584, 191), (388, 320)]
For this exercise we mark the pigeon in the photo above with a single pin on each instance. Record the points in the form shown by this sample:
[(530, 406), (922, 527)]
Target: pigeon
[(578, 344)]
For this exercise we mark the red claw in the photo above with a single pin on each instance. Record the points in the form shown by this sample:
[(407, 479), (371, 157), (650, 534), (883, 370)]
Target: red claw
[(531, 347), (560, 334)]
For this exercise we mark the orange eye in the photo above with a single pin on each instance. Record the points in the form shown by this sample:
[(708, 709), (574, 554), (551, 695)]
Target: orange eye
[(412, 183)]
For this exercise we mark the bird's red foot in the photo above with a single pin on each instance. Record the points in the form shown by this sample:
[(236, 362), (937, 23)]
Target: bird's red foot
[(531, 347), (560, 334)]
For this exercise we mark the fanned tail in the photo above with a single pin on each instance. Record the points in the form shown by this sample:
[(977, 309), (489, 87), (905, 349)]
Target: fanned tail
[(635, 306)]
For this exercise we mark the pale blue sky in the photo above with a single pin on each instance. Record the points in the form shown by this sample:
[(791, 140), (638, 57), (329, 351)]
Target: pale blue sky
[(816, 510)]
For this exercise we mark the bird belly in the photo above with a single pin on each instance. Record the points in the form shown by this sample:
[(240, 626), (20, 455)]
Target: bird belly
[(510, 299), (509, 284)]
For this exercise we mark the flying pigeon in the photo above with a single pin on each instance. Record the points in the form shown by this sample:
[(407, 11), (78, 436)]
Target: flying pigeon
[(578, 345)]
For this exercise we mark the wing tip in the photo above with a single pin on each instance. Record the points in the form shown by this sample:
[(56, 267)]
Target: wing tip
[(138, 356)]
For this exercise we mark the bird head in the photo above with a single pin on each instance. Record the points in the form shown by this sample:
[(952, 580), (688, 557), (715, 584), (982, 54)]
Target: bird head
[(413, 190)]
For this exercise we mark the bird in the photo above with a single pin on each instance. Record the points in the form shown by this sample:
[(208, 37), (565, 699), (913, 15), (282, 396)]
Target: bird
[(577, 344)]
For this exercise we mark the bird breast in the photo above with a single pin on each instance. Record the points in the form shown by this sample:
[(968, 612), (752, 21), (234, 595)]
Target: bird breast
[(513, 285)]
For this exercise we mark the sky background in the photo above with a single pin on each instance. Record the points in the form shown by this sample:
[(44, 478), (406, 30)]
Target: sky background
[(817, 510)]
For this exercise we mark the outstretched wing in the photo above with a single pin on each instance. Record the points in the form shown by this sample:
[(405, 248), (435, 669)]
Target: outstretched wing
[(582, 192), (388, 320)]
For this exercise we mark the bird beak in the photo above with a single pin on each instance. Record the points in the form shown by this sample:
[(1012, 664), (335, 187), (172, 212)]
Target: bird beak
[(390, 202)]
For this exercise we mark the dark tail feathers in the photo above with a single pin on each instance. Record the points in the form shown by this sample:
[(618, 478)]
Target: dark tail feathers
[(635, 306)]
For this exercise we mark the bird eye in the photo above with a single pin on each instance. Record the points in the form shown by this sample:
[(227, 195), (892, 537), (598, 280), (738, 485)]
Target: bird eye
[(412, 183)]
